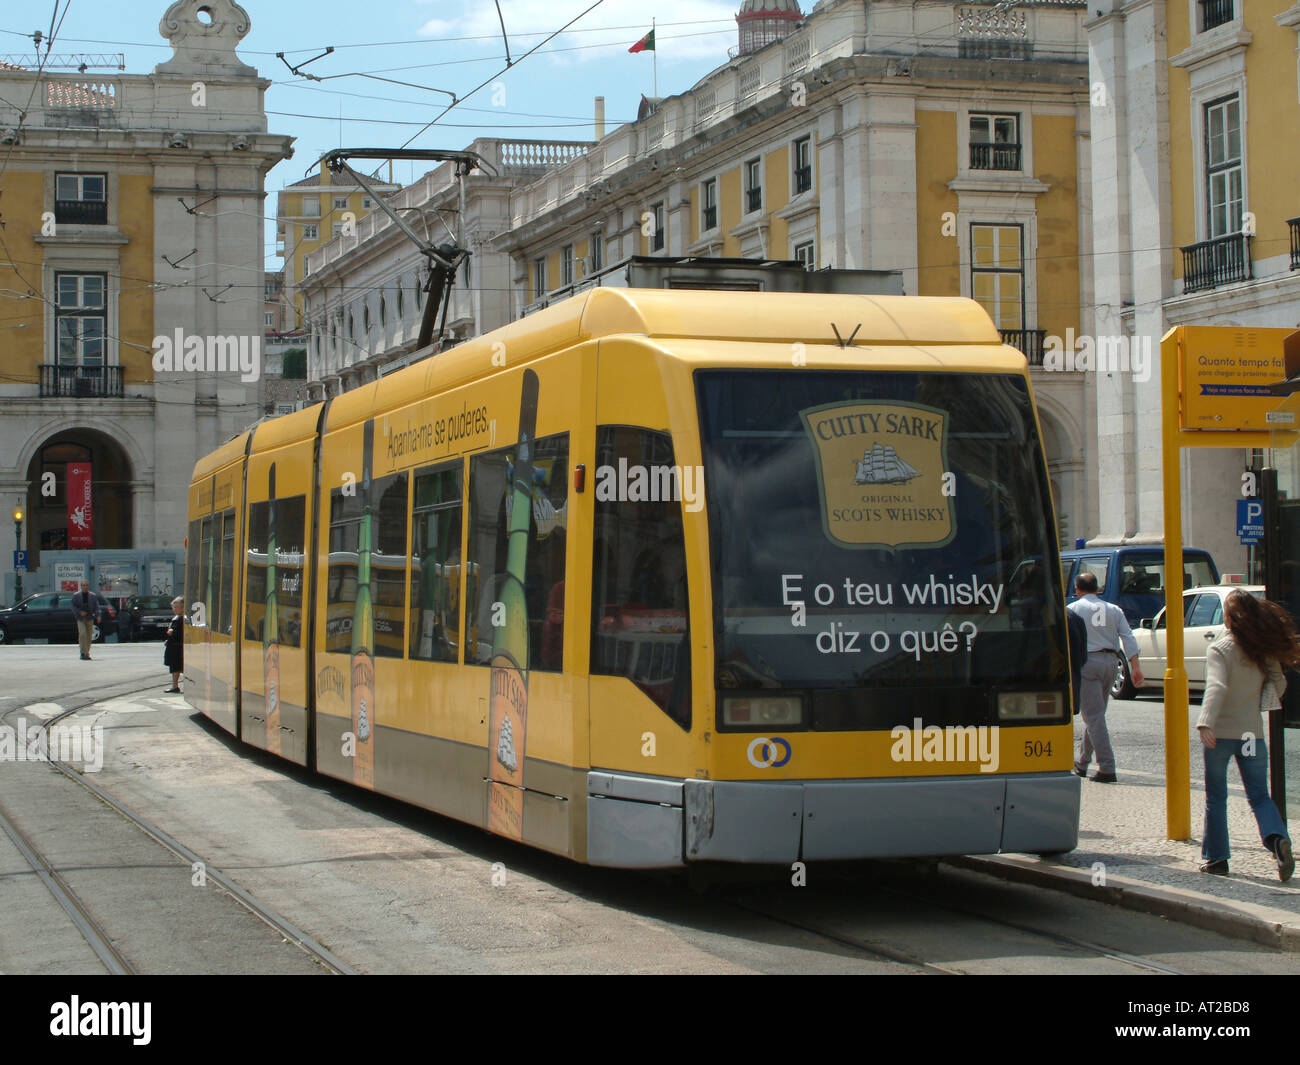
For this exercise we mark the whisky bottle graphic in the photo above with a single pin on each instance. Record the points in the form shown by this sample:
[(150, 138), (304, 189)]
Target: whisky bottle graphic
[(363, 628), (508, 719), (271, 630)]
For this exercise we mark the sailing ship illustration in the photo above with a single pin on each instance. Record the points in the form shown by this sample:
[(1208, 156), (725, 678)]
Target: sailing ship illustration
[(881, 465)]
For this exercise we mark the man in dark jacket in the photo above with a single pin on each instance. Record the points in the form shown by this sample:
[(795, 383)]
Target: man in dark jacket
[(1078, 653), (87, 609)]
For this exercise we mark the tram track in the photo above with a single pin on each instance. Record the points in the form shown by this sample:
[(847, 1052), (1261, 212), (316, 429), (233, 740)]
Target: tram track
[(918, 962), (82, 915)]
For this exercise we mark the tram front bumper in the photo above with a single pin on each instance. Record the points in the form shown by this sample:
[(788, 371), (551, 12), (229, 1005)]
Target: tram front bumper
[(648, 822)]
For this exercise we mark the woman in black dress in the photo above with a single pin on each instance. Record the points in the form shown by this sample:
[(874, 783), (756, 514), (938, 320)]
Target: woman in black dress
[(174, 653)]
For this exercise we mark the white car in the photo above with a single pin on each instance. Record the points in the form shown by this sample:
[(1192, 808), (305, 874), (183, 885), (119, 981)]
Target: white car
[(1202, 625)]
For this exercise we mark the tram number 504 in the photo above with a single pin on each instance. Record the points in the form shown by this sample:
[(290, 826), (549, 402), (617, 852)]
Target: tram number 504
[(1038, 749)]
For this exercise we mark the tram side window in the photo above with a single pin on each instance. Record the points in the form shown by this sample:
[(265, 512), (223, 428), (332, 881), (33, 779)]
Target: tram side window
[(290, 520), (387, 550), (435, 564), (255, 571), (290, 553), (227, 570), (490, 504), (639, 619), (193, 593), (208, 563), (388, 566)]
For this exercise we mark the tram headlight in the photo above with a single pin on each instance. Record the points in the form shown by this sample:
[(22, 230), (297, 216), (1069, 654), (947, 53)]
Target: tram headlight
[(1029, 706), (762, 711)]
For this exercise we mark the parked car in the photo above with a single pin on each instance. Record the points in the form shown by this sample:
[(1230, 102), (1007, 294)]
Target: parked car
[(46, 615), (1202, 625), (145, 617), (1133, 577)]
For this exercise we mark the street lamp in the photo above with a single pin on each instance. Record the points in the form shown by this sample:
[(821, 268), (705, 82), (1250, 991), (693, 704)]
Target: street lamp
[(18, 544)]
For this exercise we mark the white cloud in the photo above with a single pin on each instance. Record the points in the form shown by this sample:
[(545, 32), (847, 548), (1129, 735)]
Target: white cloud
[(694, 41)]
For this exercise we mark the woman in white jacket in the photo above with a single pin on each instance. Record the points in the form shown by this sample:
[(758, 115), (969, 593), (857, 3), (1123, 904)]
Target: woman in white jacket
[(1238, 667)]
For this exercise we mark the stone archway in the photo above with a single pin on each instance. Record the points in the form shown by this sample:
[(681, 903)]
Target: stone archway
[(1065, 469), (111, 491)]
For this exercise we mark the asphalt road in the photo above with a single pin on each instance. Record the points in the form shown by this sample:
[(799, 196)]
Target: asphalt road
[(392, 889)]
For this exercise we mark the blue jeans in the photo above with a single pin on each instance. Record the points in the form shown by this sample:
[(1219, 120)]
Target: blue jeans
[(1254, 775)]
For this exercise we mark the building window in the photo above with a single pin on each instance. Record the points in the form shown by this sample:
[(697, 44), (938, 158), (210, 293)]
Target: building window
[(709, 204), (539, 278), (657, 234), (352, 335), (566, 265), (80, 319), (753, 185), (310, 232), (998, 273), (1215, 13), (270, 319), (383, 312), (806, 253), (401, 302), (802, 165), (365, 319), (366, 203), (995, 142), (337, 230), (311, 207), (595, 256), (81, 199), (1223, 166), (340, 203)]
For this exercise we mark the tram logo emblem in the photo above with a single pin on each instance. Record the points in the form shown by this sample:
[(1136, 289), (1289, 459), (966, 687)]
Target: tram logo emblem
[(881, 473), (768, 752)]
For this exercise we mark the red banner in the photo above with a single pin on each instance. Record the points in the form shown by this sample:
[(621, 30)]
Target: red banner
[(80, 526)]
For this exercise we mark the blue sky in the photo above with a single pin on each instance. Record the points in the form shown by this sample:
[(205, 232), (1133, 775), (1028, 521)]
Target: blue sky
[(453, 45)]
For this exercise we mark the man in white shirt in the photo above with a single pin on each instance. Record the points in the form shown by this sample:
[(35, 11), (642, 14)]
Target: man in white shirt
[(1107, 630)]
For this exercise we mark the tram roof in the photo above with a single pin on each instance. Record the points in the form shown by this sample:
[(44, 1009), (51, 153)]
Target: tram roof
[(681, 314), (231, 451)]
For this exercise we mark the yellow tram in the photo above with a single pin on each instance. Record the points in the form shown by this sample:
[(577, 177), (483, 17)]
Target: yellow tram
[(655, 577)]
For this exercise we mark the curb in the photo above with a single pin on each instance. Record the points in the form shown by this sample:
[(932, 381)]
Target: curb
[(1270, 927)]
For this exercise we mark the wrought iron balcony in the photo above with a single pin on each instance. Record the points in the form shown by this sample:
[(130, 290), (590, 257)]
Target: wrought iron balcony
[(710, 217), (985, 156), (80, 212), (802, 179), (1294, 223), (1212, 263), (1027, 341), (754, 199), (66, 381), (1215, 13)]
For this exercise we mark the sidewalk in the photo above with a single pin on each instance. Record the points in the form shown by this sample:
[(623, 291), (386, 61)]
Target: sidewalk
[(1123, 857)]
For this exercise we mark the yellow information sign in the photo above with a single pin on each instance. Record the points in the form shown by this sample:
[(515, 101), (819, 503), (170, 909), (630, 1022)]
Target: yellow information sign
[(1224, 378), (881, 471)]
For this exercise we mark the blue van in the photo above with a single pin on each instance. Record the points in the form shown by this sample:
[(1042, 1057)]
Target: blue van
[(1133, 576)]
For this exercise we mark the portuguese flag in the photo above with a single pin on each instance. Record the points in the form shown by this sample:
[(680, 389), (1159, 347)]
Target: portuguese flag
[(645, 44)]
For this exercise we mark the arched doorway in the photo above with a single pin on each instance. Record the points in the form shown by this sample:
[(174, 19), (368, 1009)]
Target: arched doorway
[(47, 498), (1065, 474)]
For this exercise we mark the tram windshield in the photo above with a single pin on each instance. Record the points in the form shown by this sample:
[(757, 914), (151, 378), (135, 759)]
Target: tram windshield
[(879, 528)]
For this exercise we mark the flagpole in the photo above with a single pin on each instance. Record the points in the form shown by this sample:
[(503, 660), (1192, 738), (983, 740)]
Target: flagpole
[(655, 90)]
